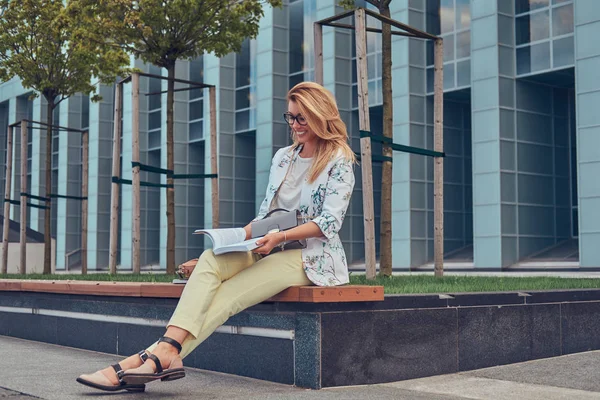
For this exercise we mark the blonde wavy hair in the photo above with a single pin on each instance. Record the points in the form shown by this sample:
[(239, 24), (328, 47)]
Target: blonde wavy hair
[(318, 106)]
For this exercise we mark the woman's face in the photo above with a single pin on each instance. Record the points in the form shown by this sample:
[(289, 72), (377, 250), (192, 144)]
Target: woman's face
[(297, 122)]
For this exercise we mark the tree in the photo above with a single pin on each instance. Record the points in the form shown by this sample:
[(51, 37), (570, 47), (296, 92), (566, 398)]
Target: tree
[(161, 32), (46, 44), (385, 238)]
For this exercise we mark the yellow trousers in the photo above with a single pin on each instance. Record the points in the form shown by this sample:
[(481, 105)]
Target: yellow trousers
[(222, 286)]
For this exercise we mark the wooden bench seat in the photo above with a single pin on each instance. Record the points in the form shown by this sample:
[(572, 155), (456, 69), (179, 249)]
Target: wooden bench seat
[(303, 294)]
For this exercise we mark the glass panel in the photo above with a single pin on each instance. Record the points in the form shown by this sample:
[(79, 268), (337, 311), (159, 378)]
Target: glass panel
[(154, 120), (196, 110), (242, 121), (154, 100), (197, 70), (243, 65), (154, 139), (433, 17), (196, 130), (534, 58), (449, 76), (560, 1), (522, 6), (295, 79), (372, 93), (242, 98), (530, 28), (562, 52), (296, 36), (449, 48), (196, 93), (562, 20), (463, 73), (429, 52), (446, 16), (463, 44), (429, 80), (523, 60), (371, 66), (463, 14)]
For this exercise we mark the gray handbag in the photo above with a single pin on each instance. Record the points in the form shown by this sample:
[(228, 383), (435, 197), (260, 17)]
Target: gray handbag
[(283, 221)]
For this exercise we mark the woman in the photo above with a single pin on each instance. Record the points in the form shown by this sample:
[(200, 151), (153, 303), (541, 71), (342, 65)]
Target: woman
[(314, 175)]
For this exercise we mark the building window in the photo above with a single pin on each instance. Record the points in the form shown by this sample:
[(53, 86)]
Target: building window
[(451, 20), (543, 35), (245, 87), (374, 61), (302, 15), (196, 102), (154, 109)]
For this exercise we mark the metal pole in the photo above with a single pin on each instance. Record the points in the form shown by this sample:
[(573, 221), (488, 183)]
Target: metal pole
[(438, 170), (116, 172), (7, 195), (365, 143)]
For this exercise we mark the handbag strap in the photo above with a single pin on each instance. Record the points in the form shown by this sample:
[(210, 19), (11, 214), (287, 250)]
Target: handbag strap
[(296, 151), (275, 210)]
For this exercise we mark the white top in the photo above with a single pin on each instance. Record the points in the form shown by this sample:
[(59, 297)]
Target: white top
[(291, 188)]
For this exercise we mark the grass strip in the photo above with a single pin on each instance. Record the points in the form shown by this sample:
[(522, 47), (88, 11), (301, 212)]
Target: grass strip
[(401, 284)]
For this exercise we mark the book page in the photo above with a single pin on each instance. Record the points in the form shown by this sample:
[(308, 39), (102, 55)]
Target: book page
[(246, 245), (224, 237)]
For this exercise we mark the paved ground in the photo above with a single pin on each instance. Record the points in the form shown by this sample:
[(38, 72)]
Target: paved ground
[(30, 370)]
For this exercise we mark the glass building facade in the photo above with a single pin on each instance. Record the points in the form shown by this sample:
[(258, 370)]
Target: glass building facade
[(521, 136)]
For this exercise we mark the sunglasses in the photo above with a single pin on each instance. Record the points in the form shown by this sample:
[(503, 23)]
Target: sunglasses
[(290, 118)]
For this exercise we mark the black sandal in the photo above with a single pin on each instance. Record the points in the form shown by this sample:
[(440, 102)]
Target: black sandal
[(169, 374), (122, 384)]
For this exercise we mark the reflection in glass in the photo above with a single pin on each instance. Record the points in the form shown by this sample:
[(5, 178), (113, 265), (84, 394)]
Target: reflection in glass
[(562, 20), (446, 16), (196, 130), (463, 14), (533, 58), (243, 65), (196, 110), (522, 6), (562, 52), (372, 65), (154, 140), (242, 121), (432, 16), (154, 120), (463, 73), (533, 27), (242, 98), (463, 44), (296, 26), (430, 80), (429, 52), (449, 48), (310, 16), (449, 76)]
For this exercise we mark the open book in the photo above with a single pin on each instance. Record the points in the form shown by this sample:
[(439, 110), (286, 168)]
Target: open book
[(228, 240)]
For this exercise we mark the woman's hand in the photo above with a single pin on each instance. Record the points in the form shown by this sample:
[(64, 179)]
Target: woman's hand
[(185, 270), (268, 242)]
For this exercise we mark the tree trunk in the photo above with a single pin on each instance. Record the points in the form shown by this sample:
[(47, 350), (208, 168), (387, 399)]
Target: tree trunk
[(171, 167), (385, 239), (48, 211)]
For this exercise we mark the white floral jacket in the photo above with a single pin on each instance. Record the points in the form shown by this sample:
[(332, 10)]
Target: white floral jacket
[(324, 202)]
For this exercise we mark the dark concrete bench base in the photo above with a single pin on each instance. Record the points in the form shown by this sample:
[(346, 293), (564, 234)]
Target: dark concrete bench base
[(318, 345)]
